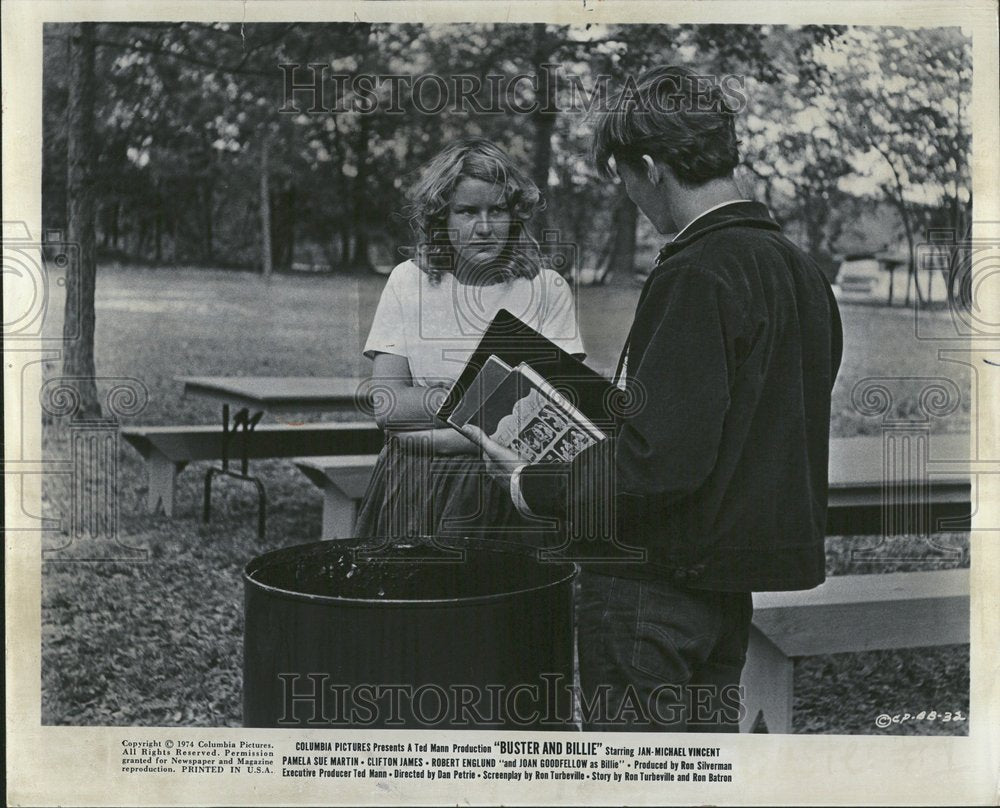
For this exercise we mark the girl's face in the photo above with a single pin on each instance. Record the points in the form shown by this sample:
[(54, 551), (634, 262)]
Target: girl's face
[(478, 221)]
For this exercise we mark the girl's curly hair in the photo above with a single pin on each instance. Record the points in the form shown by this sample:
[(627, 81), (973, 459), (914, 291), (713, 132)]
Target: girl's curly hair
[(430, 196)]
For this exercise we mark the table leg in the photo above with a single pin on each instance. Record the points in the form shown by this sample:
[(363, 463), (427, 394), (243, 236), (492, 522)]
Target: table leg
[(225, 437), (339, 513), (244, 423), (162, 478), (767, 682)]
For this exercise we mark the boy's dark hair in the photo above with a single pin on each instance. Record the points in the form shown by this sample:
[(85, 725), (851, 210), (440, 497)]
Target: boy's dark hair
[(676, 116)]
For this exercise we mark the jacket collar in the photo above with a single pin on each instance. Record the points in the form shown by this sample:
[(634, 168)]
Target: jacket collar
[(742, 214)]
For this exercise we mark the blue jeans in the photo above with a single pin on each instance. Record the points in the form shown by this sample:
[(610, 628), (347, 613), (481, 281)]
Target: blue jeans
[(658, 657)]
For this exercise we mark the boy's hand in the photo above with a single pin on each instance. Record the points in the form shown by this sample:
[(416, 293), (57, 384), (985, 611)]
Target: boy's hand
[(500, 461)]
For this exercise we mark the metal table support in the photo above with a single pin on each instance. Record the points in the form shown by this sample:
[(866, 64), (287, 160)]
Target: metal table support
[(243, 424)]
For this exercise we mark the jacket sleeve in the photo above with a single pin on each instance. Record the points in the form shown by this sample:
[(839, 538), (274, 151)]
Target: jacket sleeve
[(667, 443)]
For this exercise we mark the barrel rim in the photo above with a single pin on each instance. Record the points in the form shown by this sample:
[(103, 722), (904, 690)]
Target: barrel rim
[(250, 583)]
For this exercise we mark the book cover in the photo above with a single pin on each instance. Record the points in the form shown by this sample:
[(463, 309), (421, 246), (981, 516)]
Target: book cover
[(493, 372), (512, 342), (526, 414)]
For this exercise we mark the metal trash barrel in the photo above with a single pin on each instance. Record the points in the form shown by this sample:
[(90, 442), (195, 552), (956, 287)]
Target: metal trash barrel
[(414, 633)]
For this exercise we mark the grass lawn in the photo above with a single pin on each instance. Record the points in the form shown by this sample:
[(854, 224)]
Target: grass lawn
[(157, 640)]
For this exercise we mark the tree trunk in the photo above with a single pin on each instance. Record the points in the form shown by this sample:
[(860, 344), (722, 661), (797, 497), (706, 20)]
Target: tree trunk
[(911, 267), (158, 233), (899, 200), (816, 216), (621, 256), (208, 213), (265, 211), (544, 118), (115, 229), (289, 255), (345, 247), (174, 237), (359, 261), (142, 235), (544, 125), (283, 222), (81, 276), (106, 227)]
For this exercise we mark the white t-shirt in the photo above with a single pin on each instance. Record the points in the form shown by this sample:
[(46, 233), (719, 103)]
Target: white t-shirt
[(437, 327)]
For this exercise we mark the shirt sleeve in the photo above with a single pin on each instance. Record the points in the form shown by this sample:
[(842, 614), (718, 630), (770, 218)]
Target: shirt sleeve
[(386, 334), (515, 492), (559, 322)]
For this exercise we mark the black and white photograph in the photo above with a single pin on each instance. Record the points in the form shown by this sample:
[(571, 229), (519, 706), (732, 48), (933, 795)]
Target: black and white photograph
[(253, 263)]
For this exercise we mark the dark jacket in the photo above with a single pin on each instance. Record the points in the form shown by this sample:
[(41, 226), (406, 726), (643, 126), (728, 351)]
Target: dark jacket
[(720, 468)]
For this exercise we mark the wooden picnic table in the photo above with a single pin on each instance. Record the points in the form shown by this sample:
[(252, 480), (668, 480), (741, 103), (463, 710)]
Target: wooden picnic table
[(866, 460), (277, 395), (899, 482), (282, 394), (889, 483)]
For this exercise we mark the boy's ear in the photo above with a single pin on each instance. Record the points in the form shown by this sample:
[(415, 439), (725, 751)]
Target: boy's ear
[(654, 171)]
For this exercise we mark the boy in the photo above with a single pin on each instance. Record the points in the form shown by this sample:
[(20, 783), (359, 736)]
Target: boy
[(720, 477)]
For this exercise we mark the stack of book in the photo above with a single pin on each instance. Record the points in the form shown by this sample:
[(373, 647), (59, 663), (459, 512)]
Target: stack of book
[(516, 388)]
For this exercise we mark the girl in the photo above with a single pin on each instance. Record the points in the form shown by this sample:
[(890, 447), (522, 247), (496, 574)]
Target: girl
[(472, 256)]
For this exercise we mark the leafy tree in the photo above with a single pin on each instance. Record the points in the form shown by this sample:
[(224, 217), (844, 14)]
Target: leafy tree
[(904, 119)]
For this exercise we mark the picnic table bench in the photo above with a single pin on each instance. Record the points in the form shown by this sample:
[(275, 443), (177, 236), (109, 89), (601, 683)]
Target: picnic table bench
[(847, 613), (884, 485), (168, 449), (343, 480)]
